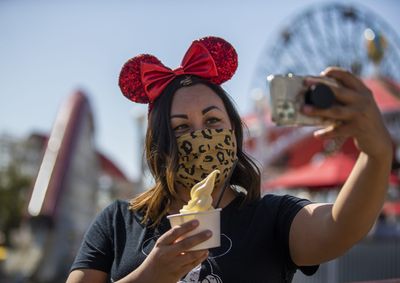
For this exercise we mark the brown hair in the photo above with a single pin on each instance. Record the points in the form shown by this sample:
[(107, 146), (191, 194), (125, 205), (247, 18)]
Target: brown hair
[(162, 155)]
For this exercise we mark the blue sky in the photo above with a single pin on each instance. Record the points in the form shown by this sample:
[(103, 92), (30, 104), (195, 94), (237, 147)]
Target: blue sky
[(48, 49)]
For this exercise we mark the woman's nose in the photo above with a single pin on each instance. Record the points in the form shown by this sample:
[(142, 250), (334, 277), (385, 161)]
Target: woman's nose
[(197, 126)]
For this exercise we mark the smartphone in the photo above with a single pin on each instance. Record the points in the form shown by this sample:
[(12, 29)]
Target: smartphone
[(288, 94)]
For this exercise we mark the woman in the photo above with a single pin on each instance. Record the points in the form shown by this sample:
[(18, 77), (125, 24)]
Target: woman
[(193, 129)]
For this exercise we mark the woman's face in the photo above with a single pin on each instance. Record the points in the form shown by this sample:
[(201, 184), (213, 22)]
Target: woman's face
[(197, 107)]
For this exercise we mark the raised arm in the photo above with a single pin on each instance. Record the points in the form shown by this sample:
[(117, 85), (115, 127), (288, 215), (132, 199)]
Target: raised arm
[(321, 232)]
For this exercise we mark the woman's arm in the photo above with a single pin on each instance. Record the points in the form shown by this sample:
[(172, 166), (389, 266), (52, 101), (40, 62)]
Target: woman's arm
[(87, 275), (168, 261), (321, 232)]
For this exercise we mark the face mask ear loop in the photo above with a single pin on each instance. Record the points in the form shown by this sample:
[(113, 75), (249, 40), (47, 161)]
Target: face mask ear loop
[(226, 183)]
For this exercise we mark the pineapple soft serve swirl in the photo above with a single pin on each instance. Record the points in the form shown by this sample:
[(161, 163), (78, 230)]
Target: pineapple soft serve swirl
[(200, 194)]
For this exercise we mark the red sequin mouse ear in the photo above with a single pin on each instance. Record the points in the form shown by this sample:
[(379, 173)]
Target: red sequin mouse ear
[(130, 78), (143, 78), (224, 56)]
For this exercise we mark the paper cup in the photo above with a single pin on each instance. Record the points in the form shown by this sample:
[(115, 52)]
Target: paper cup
[(208, 220)]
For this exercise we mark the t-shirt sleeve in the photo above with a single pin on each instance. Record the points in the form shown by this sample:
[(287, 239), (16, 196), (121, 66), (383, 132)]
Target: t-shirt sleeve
[(96, 250), (288, 209)]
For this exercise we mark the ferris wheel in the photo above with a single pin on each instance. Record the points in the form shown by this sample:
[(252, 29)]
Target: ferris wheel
[(332, 35), (325, 35)]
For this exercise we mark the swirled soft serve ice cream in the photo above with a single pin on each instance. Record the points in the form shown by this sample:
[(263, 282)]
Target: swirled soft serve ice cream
[(200, 194), (200, 207)]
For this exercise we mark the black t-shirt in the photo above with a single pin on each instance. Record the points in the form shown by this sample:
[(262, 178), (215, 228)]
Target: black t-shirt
[(254, 243)]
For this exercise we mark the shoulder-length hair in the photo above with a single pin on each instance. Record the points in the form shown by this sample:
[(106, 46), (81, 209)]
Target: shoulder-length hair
[(162, 155)]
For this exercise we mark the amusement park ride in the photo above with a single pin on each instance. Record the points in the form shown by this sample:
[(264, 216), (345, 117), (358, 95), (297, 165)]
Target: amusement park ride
[(331, 35)]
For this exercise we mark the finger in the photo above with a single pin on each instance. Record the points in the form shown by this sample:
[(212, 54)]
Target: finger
[(191, 257), (191, 241), (342, 94), (338, 132), (345, 78), (189, 266), (334, 113), (174, 233)]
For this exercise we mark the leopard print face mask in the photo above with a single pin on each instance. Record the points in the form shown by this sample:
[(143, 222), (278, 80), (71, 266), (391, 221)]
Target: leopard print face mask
[(203, 151)]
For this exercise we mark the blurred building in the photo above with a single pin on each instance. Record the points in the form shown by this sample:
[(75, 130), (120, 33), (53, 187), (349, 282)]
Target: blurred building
[(72, 182)]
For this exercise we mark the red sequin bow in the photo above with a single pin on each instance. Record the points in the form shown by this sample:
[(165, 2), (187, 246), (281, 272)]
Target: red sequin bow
[(197, 61), (143, 78)]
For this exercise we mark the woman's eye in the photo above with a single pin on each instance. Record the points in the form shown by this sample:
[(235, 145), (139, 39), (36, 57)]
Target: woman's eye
[(180, 128), (212, 121)]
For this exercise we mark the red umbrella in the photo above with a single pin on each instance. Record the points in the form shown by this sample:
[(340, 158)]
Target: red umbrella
[(385, 94), (391, 208), (330, 171)]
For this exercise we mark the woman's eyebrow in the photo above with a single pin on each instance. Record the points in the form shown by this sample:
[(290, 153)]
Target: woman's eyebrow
[(209, 108), (183, 116)]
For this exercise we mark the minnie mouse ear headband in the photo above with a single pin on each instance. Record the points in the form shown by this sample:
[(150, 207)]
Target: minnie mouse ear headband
[(143, 78)]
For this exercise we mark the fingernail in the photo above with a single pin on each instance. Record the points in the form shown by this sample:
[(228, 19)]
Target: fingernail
[(319, 132), (208, 233), (324, 130), (194, 223)]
